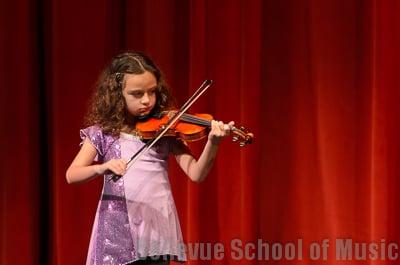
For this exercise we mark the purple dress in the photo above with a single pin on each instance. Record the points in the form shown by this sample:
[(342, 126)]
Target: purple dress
[(136, 216)]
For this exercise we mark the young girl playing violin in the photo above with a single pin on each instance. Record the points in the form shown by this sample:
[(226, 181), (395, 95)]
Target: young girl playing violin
[(136, 220)]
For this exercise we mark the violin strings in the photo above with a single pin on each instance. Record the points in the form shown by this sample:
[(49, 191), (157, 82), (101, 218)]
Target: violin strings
[(195, 120)]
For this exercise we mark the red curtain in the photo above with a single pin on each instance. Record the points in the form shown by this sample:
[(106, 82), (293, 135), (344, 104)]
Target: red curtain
[(317, 82)]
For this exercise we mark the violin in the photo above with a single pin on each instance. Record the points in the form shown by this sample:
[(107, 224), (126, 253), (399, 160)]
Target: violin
[(188, 128), (176, 124)]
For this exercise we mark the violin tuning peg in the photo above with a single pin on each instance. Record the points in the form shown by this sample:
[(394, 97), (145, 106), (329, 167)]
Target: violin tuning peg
[(241, 144)]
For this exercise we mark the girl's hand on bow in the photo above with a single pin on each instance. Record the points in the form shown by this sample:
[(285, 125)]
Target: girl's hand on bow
[(117, 166), (219, 130)]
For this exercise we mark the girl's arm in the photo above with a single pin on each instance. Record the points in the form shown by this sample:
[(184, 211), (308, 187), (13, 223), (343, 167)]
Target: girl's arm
[(198, 170), (82, 170)]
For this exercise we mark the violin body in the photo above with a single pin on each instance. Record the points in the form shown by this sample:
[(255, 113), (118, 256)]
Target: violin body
[(188, 127), (188, 131)]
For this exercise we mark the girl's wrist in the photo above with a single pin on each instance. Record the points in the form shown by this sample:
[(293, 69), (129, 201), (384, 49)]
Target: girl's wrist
[(99, 169), (214, 142)]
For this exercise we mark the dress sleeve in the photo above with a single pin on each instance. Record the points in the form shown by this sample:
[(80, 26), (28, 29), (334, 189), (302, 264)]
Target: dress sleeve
[(95, 136)]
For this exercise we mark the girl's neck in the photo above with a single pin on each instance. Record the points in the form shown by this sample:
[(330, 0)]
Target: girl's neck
[(128, 129), (129, 124)]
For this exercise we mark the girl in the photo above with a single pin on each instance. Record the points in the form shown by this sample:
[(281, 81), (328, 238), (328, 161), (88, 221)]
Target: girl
[(136, 220)]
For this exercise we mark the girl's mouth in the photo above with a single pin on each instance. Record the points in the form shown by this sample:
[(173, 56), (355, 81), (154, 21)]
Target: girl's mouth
[(144, 110)]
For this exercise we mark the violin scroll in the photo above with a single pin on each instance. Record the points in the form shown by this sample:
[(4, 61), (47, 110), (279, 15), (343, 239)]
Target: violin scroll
[(243, 135)]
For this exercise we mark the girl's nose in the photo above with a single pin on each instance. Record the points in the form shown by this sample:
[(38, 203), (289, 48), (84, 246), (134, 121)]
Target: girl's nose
[(145, 99)]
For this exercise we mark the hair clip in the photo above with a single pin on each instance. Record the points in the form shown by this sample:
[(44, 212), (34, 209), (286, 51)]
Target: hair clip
[(118, 77)]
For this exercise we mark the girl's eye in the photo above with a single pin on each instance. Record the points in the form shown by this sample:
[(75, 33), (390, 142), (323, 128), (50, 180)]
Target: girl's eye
[(137, 94), (140, 94)]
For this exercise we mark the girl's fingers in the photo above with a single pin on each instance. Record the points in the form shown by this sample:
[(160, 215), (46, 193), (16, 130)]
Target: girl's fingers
[(118, 166), (220, 129), (122, 165), (214, 125), (220, 125), (227, 127)]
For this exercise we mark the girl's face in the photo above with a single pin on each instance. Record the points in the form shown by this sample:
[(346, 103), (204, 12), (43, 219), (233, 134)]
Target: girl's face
[(140, 93)]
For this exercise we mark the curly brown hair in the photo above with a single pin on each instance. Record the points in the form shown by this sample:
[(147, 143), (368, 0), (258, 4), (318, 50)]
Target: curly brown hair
[(108, 108)]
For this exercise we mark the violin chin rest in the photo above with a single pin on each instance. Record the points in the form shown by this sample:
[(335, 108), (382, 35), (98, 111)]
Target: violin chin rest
[(144, 117)]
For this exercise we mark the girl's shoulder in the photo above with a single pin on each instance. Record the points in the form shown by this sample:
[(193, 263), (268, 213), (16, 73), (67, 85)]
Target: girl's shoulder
[(93, 129), (100, 140)]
